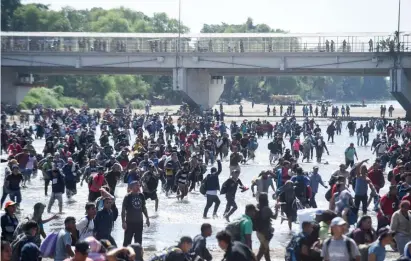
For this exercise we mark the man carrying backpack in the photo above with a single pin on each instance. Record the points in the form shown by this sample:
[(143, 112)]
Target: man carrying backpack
[(30, 231), (242, 228), (299, 247), (339, 247), (302, 186)]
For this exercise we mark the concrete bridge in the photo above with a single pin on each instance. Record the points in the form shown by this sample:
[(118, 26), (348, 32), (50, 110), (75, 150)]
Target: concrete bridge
[(198, 62)]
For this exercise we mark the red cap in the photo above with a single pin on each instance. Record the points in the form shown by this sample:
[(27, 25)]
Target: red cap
[(9, 203)]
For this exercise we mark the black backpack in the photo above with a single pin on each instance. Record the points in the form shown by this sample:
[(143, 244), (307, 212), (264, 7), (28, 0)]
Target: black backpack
[(300, 188), (203, 187)]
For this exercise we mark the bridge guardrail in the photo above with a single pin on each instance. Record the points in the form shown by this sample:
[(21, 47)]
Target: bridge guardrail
[(383, 43)]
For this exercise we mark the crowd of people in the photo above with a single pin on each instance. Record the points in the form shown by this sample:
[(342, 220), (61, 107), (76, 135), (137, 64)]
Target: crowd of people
[(176, 156)]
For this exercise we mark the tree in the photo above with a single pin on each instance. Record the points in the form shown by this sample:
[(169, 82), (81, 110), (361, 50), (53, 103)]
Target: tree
[(7, 13)]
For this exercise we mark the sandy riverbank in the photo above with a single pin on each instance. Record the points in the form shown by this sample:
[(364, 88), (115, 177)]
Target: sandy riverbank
[(260, 110)]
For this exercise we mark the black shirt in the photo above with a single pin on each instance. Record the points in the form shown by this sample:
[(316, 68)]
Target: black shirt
[(14, 181), (134, 205)]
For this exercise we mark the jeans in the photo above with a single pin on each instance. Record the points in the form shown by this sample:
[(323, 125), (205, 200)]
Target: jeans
[(231, 206), (53, 197), (15, 196), (313, 203), (135, 230), (210, 200), (359, 140), (366, 139), (46, 185), (358, 199)]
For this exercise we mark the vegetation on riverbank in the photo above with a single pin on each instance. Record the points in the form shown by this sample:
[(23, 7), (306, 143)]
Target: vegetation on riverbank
[(100, 90)]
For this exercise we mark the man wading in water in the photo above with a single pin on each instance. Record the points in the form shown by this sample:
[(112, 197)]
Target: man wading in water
[(134, 206)]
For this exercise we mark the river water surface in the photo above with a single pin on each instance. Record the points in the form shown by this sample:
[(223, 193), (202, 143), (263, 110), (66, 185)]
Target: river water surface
[(175, 219)]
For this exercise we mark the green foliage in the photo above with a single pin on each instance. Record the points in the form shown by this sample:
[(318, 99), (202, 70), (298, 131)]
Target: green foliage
[(48, 97), (138, 104), (113, 99)]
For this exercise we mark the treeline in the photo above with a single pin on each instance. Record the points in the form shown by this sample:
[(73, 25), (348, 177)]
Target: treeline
[(111, 90)]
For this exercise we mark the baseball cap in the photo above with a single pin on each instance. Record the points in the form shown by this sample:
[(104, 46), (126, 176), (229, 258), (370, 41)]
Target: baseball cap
[(9, 203), (338, 221)]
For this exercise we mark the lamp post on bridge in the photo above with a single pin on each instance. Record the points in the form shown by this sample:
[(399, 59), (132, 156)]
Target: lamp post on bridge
[(398, 26), (178, 43)]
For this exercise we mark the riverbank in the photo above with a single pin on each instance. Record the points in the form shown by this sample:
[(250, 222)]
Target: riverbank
[(259, 111)]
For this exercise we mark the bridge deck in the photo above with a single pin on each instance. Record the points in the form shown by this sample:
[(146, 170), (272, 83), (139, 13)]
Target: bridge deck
[(213, 43)]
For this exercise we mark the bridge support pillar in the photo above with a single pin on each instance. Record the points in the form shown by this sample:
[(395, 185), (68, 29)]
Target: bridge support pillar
[(400, 82), (14, 87), (199, 85), (8, 89)]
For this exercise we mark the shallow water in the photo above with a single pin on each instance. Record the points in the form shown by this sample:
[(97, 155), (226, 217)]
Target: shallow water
[(175, 219)]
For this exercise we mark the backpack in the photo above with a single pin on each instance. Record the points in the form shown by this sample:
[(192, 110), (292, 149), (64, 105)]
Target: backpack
[(234, 229), (300, 188), (203, 186), (48, 247), (347, 244)]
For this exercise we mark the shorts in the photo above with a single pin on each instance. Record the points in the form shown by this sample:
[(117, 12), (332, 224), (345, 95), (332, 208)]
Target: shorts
[(151, 195), (26, 173)]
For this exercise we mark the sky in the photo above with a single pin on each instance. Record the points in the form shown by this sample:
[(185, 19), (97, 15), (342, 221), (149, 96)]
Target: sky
[(295, 16)]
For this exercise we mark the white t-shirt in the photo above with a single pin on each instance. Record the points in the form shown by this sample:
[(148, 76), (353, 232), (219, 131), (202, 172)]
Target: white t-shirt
[(337, 250), (84, 230)]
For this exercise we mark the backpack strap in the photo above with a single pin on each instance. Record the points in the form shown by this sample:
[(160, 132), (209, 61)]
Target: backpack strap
[(348, 245)]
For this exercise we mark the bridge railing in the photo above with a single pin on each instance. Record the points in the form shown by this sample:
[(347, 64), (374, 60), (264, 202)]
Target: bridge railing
[(207, 43)]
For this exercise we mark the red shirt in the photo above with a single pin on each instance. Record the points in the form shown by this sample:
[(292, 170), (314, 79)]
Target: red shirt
[(387, 206), (98, 181), (376, 177), (14, 149)]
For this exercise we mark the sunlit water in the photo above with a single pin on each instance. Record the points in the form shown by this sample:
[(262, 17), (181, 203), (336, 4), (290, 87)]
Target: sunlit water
[(174, 218)]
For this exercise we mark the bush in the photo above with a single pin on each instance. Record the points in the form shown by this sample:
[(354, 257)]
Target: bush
[(76, 103), (113, 99), (48, 97), (138, 104)]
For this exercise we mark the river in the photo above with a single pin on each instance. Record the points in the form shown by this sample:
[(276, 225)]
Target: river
[(174, 218)]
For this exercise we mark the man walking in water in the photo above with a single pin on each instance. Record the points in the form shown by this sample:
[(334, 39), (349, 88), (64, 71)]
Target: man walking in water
[(134, 206)]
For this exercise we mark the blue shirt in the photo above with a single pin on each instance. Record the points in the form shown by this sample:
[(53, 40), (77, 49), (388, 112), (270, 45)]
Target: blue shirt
[(63, 239), (361, 186), (305, 179), (315, 180), (378, 250)]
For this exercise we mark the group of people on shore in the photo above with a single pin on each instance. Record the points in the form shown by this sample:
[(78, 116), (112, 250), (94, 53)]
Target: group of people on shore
[(177, 156)]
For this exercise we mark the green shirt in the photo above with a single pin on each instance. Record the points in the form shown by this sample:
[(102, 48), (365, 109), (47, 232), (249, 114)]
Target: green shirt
[(324, 231), (350, 153), (246, 227)]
